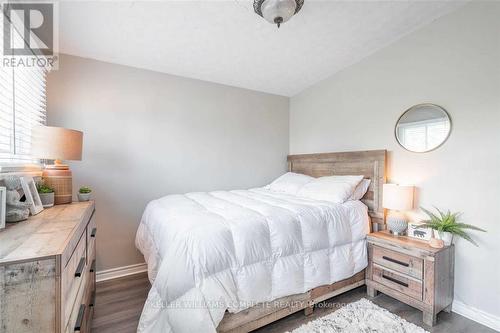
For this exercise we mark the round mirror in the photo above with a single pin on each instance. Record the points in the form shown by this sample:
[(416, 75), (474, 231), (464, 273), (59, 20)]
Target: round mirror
[(423, 127)]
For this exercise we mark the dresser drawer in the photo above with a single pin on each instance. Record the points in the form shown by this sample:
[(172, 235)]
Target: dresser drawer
[(91, 237), (91, 251), (399, 262), (91, 278), (404, 284), (80, 316), (80, 319), (90, 300), (73, 276)]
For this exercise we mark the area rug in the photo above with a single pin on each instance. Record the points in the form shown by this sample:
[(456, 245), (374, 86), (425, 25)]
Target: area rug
[(361, 316)]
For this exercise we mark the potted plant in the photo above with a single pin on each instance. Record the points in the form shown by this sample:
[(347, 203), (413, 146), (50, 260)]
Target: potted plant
[(446, 225), (46, 194), (84, 193)]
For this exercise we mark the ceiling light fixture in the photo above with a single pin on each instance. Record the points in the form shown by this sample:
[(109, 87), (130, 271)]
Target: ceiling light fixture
[(277, 11)]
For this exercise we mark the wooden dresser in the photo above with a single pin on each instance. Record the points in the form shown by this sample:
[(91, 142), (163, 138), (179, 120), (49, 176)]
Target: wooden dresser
[(412, 272), (47, 271)]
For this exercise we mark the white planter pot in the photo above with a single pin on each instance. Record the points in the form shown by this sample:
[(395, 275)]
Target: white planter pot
[(47, 199), (83, 197), (446, 237)]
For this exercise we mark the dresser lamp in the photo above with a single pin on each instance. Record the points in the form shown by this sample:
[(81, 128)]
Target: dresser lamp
[(57, 143), (397, 198)]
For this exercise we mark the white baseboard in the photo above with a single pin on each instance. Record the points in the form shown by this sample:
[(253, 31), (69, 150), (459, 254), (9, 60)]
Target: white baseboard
[(477, 315), (118, 272)]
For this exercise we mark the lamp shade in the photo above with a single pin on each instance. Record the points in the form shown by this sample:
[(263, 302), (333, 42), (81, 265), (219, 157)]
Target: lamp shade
[(398, 197), (56, 143)]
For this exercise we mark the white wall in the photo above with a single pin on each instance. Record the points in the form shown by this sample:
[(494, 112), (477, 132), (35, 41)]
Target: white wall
[(453, 62), (148, 134)]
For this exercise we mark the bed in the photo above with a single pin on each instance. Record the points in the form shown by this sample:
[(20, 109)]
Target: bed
[(233, 261)]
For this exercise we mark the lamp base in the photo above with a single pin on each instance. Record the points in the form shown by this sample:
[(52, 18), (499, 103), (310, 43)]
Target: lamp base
[(397, 223), (58, 165), (397, 234), (60, 178)]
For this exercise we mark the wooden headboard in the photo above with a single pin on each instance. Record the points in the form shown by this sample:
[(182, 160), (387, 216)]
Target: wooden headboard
[(371, 164)]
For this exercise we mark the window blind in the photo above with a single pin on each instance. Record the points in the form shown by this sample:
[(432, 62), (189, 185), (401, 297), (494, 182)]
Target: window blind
[(6, 111), (22, 106), (420, 136)]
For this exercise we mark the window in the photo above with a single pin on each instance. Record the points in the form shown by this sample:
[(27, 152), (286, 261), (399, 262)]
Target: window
[(423, 135), (22, 106)]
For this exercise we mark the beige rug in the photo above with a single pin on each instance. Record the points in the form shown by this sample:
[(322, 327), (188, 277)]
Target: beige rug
[(361, 316)]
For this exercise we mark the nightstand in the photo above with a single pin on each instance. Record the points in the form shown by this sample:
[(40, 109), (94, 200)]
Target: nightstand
[(411, 271)]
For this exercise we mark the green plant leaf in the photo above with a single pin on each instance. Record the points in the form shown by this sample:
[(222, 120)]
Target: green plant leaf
[(469, 226), (85, 189), (464, 235), (448, 222), (431, 215), (42, 188)]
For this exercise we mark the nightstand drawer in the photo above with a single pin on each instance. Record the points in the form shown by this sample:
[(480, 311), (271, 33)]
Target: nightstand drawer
[(404, 284), (399, 262)]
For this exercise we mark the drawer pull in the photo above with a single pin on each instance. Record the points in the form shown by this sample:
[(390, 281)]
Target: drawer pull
[(396, 261), (395, 281), (93, 232), (92, 300), (79, 319), (79, 269), (92, 266)]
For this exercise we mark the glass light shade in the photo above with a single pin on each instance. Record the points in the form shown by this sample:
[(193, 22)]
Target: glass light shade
[(273, 9)]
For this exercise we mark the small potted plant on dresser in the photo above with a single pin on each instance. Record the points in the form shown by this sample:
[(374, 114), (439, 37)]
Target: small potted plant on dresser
[(447, 225), (84, 193), (46, 194)]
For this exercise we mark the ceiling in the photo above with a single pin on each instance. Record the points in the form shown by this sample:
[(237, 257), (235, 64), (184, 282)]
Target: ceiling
[(227, 43)]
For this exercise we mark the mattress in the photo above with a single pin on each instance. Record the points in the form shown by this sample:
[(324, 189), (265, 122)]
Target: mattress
[(229, 250)]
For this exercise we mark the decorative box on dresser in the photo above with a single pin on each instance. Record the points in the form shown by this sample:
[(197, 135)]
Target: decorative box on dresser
[(47, 271), (411, 271)]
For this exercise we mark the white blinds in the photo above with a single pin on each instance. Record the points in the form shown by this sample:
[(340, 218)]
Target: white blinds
[(6, 111), (22, 105), (29, 108), (423, 135)]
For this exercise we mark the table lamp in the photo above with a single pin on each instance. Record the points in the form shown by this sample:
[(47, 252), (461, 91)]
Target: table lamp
[(57, 143), (397, 198)]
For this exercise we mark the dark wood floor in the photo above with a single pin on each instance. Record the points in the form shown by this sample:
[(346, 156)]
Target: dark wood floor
[(119, 303)]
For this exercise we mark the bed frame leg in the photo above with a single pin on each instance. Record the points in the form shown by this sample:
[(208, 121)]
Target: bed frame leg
[(309, 310)]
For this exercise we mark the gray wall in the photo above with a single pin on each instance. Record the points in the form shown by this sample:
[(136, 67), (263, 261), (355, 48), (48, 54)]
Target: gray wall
[(148, 134), (453, 62)]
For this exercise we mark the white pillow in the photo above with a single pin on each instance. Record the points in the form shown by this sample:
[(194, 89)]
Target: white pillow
[(336, 189), (289, 183), (360, 190)]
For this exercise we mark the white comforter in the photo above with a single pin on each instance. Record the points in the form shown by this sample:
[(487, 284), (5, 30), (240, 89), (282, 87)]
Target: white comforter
[(208, 252)]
